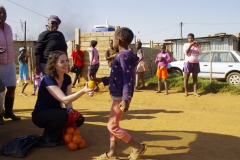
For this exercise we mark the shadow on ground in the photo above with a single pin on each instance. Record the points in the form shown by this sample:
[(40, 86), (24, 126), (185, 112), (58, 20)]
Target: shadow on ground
[(162, 145)]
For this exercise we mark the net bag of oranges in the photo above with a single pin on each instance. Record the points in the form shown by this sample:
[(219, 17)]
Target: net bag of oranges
[(71, 134)]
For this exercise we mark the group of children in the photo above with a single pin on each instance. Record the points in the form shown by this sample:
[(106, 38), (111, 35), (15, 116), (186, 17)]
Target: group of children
[(162, 60)]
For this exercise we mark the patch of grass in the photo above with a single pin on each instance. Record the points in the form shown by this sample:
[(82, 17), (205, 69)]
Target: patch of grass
[(204, 85)]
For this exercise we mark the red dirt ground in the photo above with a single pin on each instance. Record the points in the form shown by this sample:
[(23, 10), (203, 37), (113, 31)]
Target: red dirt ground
[(174, 127)]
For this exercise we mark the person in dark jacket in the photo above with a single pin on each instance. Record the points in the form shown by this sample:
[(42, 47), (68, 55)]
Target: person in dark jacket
[(49, 41)]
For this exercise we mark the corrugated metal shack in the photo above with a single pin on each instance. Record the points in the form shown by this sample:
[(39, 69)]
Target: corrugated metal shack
[(220, 41)]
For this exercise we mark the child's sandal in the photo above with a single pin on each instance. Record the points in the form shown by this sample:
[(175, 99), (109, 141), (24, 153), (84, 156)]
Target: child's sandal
[(104, 156), (137, 156)]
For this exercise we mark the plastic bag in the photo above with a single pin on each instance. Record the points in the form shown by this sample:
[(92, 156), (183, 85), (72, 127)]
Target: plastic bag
[(71, 133), (19, 146)]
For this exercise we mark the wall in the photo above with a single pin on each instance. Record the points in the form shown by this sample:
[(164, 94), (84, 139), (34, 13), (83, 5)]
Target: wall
[(103, 44)]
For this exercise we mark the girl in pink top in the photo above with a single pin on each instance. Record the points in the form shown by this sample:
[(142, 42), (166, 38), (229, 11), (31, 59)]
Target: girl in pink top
[(191, 64), (94, 61)]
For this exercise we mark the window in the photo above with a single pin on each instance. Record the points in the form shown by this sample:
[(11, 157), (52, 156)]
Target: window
[(216, 57), (223, 57), (204, 57)]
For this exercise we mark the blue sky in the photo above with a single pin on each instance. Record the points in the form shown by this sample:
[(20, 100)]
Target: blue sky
[(150, 20)]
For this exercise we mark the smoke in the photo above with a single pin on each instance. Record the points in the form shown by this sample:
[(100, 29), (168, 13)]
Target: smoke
[(80, 18)]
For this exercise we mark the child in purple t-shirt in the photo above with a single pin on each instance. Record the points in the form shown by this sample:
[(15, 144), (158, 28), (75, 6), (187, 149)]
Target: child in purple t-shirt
[(37, 81), (162, 61), (121, 85)]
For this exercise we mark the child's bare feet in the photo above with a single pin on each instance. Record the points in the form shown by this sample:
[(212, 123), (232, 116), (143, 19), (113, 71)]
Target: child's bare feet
[(196, 94), (158, 91), (23, 94)]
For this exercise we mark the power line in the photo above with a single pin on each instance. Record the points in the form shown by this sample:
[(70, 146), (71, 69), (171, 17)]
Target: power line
[(212, 23), (13, 21), (28, 9), (157, 31), (176, 32)]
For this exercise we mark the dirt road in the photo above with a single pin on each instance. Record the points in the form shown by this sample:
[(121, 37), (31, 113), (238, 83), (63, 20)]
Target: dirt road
[(174, 127)]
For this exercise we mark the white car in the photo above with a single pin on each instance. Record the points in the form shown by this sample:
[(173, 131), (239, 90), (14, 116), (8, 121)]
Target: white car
[(225, 65)]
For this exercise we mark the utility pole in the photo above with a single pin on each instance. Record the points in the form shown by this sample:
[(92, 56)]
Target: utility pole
[(181, 30), (25, 31), (16, 36)]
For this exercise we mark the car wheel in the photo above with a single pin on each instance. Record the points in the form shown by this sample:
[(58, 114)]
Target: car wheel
[(233, 78), (176, 72)]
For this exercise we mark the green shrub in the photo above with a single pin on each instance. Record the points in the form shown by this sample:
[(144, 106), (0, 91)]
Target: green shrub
[(204, 85)]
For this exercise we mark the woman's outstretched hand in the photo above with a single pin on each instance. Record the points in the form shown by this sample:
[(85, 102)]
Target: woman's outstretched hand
[(89, 91)]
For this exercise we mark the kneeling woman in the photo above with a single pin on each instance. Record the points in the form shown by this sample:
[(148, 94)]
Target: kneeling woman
[(55, 90)]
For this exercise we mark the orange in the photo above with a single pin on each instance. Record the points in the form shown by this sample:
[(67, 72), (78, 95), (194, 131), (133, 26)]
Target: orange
[(72, 146), (82, 144), (76, 132), (68, 137), (91, 84), (77, 139), (70, 130)]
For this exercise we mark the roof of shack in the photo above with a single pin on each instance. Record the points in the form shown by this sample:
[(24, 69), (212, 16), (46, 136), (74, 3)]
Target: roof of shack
[(202, 39)]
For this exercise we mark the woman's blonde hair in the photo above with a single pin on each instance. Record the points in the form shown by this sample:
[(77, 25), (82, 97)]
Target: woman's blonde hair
[(52, 60)]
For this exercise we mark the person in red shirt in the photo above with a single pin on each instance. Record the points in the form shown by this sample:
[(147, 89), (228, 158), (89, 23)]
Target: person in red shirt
[(78, 57)]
